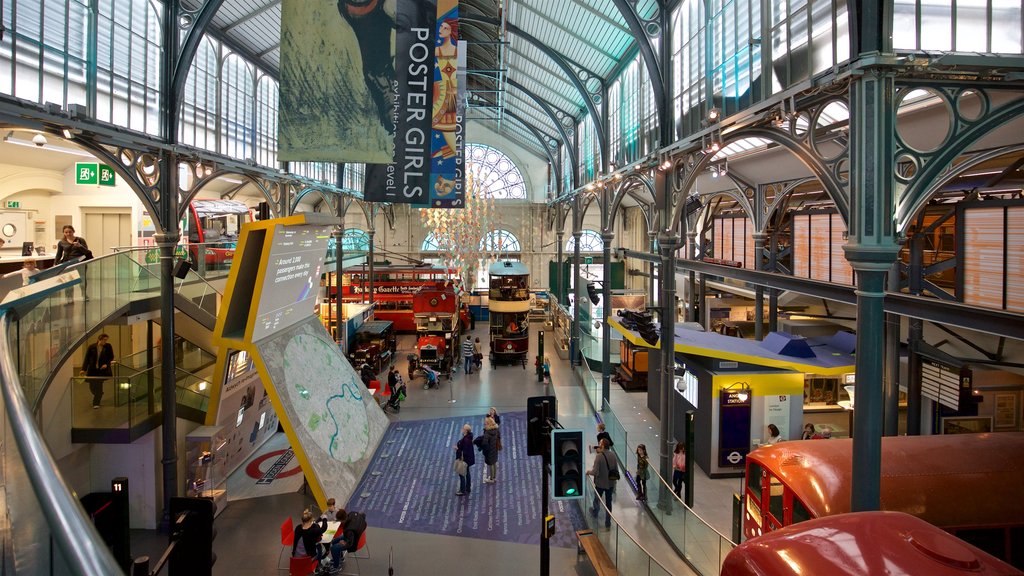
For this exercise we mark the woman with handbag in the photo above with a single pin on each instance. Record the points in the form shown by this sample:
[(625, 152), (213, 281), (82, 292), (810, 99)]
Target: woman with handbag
[(464, 458)]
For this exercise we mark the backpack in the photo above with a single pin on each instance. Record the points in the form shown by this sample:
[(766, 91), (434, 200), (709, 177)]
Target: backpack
[(354, 528)]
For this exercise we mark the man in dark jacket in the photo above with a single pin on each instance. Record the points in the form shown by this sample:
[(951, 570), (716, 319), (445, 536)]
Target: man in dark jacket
[(97, 367), (346, 539)]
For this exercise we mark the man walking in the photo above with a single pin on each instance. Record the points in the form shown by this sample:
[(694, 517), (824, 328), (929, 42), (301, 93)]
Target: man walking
[(467, 354), (605, 472)]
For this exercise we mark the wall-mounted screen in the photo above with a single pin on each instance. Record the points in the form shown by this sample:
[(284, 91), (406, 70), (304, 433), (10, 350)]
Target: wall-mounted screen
[(291, 280)]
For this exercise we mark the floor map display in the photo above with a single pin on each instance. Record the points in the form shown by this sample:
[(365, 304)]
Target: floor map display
[(332, 414), (331, 421)]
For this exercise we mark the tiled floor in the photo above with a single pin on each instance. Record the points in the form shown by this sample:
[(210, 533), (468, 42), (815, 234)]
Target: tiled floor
[(248, 539)]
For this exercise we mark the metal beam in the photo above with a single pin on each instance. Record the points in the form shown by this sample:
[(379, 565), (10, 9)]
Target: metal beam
[(250, 16), (551, 21), (549, 72), (601, 15), (650, 58), (989, 321), (563, 63)]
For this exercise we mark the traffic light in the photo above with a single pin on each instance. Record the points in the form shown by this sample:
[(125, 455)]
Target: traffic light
[(192, 534), (592, 292), (566, 464), (536, 440)]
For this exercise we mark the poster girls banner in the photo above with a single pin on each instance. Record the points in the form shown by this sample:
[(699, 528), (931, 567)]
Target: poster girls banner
[(337, 81), (406, 179), (446, 159)]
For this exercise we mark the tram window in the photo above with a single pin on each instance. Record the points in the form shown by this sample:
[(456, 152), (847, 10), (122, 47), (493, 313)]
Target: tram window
[(775, 498), (754, 480), (800, 513)]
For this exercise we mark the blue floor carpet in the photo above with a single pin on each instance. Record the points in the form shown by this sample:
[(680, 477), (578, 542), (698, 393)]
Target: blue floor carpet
[(410, 485)]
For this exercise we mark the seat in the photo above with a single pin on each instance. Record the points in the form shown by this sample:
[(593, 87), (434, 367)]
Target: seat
[(301, 565), (354, 555), (287, 539)]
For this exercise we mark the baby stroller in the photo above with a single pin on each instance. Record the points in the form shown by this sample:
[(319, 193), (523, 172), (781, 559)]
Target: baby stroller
[(431, 377), (397, 396)]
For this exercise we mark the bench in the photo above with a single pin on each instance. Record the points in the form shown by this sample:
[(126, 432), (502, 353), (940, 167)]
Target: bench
[(591, 546)]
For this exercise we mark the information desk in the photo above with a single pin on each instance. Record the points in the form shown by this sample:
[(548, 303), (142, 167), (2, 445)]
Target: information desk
[(13, 262)]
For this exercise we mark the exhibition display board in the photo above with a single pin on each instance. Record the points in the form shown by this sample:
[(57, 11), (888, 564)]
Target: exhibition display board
[(272, 345)]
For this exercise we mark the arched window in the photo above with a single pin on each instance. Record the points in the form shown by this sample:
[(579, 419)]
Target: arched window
[(500, 241), (431, 244), (590, 241), (500, 178), (355, 240)]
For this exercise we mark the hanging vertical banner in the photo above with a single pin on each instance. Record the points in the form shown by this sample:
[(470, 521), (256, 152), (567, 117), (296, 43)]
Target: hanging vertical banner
[(445, 141), (407, 178), (460, 126), (337, 81)]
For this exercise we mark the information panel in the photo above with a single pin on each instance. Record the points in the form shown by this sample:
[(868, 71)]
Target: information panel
[(292, 277)]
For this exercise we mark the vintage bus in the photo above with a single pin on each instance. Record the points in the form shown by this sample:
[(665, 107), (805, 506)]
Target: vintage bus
[(210, 231), (970, 485), (509, 308), (862, 544), (393, 289)]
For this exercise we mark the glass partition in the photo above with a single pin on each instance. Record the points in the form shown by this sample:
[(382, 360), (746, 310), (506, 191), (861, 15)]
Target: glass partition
[(53, 534), (625, 552)]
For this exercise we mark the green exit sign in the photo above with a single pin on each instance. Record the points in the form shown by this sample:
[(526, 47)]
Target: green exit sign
[(94, 173), (588, 260), (12, 204)]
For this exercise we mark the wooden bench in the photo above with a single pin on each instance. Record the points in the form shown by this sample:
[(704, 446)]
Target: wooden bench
[(591, 546)]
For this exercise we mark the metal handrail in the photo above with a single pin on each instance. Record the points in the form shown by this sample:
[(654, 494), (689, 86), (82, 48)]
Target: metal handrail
[(76, 536)]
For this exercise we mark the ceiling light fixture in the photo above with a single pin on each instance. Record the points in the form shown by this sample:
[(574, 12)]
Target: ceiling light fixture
[(713, 115)]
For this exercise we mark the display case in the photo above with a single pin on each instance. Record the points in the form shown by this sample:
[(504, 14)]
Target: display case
[(207, 466), (562, 325), (540, 308)]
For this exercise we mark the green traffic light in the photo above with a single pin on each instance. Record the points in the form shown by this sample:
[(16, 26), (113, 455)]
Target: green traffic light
[(571, 491)]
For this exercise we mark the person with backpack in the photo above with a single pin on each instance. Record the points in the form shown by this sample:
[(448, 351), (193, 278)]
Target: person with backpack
[(346, 539), (605, 472), (488, 444)]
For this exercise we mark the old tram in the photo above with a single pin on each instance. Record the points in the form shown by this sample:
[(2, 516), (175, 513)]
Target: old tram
[(509, 305)]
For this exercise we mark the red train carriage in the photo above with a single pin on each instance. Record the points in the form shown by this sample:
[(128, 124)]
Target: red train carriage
[(509, 306), (970, 485), (862, 544)]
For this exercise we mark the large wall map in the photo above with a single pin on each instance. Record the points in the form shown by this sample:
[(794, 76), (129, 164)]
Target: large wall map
[(332, 415)]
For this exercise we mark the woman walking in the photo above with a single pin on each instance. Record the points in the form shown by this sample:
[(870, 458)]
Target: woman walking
[(68, 248), (464, 452)]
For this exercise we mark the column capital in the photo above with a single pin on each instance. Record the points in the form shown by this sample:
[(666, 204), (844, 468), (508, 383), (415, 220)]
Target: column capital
[(669, 241), (871, 257), (166, 239), (607, 238)]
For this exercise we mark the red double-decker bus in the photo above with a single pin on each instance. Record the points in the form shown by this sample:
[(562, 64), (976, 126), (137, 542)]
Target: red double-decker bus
[(393, 289)]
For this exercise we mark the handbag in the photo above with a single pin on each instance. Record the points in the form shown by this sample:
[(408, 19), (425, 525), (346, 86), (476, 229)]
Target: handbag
[(498, 444), (613, 473), (88, 255), (460, 467)]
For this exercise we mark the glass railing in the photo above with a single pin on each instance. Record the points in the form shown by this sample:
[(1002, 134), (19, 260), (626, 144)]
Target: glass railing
[(187, 356), (195, 287), (131, 397), (48, 330), (54, 534), (625, 552), (703, 547)]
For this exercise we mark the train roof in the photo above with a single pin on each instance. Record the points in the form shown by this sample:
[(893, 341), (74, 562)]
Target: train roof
[(952, 481), (508, 268), (386, 268), (861, 544)]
